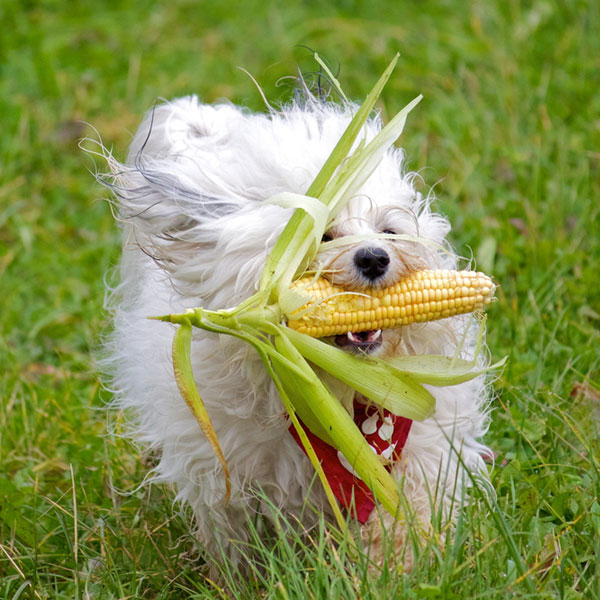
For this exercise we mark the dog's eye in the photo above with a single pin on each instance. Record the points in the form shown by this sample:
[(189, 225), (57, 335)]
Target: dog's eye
[(327, 237), (389, 231)]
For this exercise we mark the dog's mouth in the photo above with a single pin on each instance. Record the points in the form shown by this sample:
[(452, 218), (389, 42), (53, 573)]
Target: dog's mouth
[(360, 341)]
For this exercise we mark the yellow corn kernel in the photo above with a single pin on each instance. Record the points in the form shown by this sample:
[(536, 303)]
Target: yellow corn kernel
[(416, 298)]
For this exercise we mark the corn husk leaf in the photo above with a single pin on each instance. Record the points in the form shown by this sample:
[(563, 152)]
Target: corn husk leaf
[(182, 367), (310, 453), (345, 436), (289, 255), (390, 388), (304, 392), (437, 370), (332, 78), (342, 186), (361, 164)]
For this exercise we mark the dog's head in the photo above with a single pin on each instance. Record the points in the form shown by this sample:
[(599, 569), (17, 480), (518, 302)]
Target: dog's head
[(193, 196)]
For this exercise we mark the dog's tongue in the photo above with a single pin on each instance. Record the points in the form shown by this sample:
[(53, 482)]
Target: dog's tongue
[(364, 340)]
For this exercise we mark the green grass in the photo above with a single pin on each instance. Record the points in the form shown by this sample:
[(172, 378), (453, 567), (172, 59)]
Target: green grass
[(509, 130)]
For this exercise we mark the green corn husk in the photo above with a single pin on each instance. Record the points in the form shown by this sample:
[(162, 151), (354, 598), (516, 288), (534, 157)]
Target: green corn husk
[(395, 385), (182, 368), (380, 382)]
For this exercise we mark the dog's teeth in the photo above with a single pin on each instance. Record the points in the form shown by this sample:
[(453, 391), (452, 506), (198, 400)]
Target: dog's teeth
[(351, 336), (376, 335)]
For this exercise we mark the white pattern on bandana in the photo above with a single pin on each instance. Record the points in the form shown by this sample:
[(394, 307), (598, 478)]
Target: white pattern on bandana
[(386, 430), (369, 425)]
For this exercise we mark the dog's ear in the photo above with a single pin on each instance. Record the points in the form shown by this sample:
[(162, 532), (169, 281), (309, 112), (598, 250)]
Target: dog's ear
[(169, 183), (170, 194)]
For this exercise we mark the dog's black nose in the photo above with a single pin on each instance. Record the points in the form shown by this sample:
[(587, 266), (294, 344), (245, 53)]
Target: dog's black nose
[(372, 262)]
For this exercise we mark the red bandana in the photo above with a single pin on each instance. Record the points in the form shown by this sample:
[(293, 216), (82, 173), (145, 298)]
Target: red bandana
[(385, 433)]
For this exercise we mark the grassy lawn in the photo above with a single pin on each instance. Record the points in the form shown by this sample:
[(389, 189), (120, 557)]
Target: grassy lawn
[(508, 134)]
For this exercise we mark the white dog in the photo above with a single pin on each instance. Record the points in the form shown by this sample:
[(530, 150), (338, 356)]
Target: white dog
[(196, 232)]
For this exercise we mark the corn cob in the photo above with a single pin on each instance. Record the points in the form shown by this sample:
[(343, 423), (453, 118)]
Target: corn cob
[(425, 295)]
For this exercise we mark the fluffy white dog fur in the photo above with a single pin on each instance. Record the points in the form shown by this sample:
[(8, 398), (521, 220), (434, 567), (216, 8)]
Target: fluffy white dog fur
[(196, 232)]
